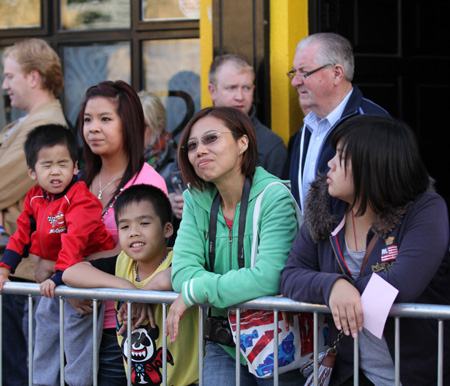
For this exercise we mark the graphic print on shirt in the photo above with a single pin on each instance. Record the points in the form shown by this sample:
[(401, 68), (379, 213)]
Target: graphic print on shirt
[(58, 223), (388, 256), (146, 357), (390, 252)]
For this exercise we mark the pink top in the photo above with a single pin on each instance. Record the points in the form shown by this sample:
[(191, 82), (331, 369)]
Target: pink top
[(148, 176)]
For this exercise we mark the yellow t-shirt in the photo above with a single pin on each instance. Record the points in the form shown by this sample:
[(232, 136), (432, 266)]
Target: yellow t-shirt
[(146, 351)]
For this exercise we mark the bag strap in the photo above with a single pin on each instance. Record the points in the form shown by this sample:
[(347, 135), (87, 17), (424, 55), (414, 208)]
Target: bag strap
[(257, 210), (213, 231), (369, 248), (241, 230)]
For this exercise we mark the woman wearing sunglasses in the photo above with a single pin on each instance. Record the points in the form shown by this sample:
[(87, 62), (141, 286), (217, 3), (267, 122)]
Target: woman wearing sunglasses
[(212, 254)]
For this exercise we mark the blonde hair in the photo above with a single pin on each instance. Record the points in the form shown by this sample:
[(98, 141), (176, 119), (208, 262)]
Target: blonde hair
[(154, 112), (239, 62), (36, 54)]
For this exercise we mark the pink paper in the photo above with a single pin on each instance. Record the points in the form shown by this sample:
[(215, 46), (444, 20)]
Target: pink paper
[(376, 302)]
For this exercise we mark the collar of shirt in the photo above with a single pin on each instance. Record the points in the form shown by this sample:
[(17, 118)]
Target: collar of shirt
[(312, 121), (320, 128)]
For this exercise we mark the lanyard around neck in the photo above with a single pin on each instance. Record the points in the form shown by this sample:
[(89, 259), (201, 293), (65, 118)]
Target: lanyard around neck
[(213, 225)]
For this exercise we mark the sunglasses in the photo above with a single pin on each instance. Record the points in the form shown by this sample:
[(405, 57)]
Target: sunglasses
[(208, 138)]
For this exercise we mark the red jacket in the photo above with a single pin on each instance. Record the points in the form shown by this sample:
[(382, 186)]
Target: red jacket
[(62, 228)]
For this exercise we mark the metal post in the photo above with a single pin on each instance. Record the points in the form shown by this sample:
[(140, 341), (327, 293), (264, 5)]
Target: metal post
[(440, 353), (397, 352), (94, 341), (164, 342), (201, 320), (316, 348), (30, 340), (129, 343), (275, 348), (356, 361), (61, 341), (238, 343)]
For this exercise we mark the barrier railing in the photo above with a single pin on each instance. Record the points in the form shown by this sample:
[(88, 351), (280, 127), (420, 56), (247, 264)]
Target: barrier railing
[(276, 304)]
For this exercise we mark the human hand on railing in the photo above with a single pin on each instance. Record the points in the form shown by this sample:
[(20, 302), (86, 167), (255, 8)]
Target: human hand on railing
[(286, 316), (82, 306), (43, 269), (177, 202), (139, 312), (345, 305), (4, 276), (47, 288), (288, 320), (176, 313)]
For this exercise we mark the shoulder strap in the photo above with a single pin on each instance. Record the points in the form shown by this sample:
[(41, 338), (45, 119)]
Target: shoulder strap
[(368, 252), (256, 212), (213, 231), (241, 230)]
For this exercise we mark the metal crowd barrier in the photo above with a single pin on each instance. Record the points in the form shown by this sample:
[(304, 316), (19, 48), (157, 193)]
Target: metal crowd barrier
[(276, 304)]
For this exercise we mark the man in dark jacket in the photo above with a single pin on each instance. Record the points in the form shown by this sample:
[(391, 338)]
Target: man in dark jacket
[(322, 74)]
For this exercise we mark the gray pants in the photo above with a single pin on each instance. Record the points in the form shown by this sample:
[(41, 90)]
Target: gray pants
[(78, 349)]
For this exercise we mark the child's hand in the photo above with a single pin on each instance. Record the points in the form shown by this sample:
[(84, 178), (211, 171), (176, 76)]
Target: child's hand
[(43, 269), (4, 276), (139, 312), (48, 288), (83, 306)]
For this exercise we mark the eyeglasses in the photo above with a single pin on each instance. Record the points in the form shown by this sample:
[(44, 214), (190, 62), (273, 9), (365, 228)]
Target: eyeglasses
[(207, 139), (298, 73)]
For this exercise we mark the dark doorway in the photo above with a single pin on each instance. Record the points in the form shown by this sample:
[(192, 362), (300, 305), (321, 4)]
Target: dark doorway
[(402, 59)]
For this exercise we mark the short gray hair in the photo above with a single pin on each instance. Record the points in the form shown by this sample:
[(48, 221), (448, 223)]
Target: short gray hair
[(334, 49)]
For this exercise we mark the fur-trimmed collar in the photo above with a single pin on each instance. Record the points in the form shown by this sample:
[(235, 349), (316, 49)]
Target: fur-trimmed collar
[(323, 213)]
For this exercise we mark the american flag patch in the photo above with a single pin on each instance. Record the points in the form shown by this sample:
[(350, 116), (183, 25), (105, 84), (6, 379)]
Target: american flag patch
[(389, 253)]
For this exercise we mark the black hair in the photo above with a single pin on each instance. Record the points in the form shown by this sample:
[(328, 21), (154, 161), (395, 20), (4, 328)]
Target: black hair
[(143, 192), (48, 136), (239, 124), (387, 168), (129, 109)]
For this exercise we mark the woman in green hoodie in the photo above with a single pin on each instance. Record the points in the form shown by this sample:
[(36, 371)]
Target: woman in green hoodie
[(212, 260)]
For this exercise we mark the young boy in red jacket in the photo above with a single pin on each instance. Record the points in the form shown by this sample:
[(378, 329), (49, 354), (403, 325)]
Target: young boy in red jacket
[(60, 221)]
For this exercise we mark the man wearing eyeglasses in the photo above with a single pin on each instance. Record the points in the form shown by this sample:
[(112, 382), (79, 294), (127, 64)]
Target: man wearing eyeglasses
[(322, 74)]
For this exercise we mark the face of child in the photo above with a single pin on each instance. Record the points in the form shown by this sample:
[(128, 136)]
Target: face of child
[(340, 177), (141, 234), (54, 169)]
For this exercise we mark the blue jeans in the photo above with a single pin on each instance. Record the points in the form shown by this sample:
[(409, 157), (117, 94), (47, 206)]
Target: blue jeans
[(219, 369), (111, 370), (14, 345)]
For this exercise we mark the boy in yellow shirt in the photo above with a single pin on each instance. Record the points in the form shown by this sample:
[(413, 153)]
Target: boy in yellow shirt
[(143, 215)]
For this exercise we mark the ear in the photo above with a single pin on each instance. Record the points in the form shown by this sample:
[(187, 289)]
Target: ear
[(168, 230), (243, 144), (339, 74), (32, 174), (34, 77), (212, 91), (75, 169)]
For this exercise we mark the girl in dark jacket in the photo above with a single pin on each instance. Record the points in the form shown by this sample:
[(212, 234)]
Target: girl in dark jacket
[(375, 212)]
